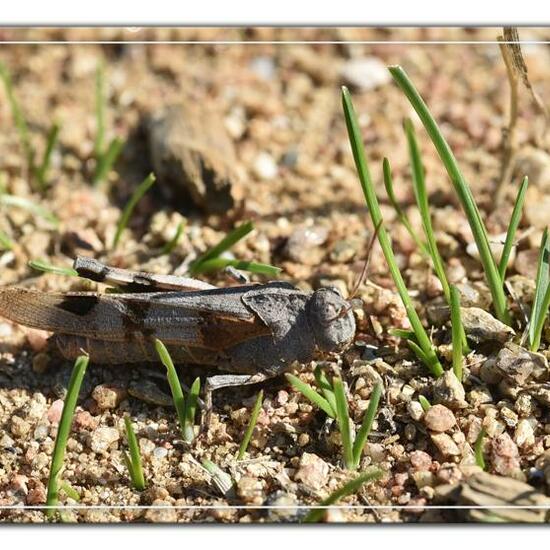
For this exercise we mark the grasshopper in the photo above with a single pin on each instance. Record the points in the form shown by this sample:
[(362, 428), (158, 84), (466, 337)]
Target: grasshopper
[(251, 332)]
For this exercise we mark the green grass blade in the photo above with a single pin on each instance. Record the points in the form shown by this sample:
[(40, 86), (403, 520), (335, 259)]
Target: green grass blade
[(424, 403), (457, 331), (366, 425), (18, 117), (216, 264), (141, 189), (316, 515), (29, 206), (403, 218), (539, 310), (41, 265), (172, 243), (326, 387), (478, 449), (136, 470), (225, 244), (421, 195), (308, 392), (190, 410), (51, 140), (251, 425), (69, 491), (5, 242), (107, 160), (512, 228), (173, 382), (344, 423), (100, 102), (462, 189), (383, 238), (63, 431)]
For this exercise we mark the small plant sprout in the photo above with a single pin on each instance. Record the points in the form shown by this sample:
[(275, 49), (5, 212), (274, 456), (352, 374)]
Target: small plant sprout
[(512, 228), (316, 514), (463, 191), (424, 403), (105, 156), (541, 302), (63, 431), (478, 449), (251, 425), (422, 347), (133, 461), (212, 259), (173, 242), (185, 408), (37, 171), (335, 405), (140, 190), (457, 332)]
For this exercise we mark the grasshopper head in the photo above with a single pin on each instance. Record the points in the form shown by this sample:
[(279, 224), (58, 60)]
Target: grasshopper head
[(331, 320)]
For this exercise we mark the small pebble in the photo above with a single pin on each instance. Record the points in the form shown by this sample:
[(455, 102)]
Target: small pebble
[(312, 471), (439, 418), (265, 167), (55, 410), (103, 438), (108, 396)]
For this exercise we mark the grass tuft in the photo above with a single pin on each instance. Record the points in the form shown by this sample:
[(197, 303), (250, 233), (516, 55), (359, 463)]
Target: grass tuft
[(251, 425), (105, 156), (541, 302), (211, 260), (185, 408), (462, 189), (140, 190), (335, 405), (423, 344), (316, 515), (63, 431), (133, 461)]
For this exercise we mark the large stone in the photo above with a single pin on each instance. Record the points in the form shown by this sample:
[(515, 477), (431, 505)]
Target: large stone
[(518, 365), (480, 326)]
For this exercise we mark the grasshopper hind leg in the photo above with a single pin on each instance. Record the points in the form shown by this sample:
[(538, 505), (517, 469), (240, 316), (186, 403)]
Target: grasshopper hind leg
[(225, 381)]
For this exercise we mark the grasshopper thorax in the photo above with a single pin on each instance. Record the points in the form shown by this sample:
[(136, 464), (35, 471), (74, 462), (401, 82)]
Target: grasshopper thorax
[(331, 319)]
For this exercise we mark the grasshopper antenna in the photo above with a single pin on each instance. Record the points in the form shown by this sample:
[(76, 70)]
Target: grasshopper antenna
[(364, 271), (362, 275)]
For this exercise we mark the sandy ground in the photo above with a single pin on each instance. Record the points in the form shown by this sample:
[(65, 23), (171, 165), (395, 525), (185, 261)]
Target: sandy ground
[(292, 173)]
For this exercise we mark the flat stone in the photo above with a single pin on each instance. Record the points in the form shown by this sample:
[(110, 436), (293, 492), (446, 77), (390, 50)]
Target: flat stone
[(518, 365), (480, 326)]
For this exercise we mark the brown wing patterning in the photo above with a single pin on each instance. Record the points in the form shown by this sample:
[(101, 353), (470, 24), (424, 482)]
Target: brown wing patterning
[(195, 319)]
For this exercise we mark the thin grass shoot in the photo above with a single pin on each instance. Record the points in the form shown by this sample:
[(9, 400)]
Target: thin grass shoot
[(512, 228), (541, 302), (41, 265), (73, 389), (251, 425), (140, 190), (350, 488), (133, 461)]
